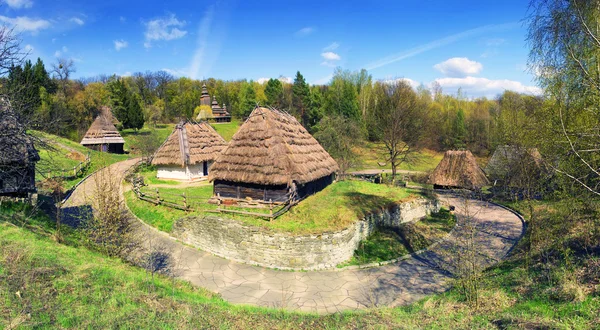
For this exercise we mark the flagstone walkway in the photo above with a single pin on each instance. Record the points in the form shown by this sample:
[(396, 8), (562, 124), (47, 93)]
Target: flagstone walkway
[(493, 230)]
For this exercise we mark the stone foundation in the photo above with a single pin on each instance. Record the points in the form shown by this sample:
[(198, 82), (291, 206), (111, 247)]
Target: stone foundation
[(236, 241)]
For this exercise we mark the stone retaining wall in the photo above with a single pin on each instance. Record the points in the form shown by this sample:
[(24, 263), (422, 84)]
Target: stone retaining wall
[(236, 241)]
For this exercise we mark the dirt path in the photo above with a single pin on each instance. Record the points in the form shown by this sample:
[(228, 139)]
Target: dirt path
[(330, 291)]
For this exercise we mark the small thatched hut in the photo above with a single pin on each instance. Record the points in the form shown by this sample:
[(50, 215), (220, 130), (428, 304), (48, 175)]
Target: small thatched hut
[(17, 157), (272, 158), (458, 169), (103, 135), (188, 152), (514, 166)]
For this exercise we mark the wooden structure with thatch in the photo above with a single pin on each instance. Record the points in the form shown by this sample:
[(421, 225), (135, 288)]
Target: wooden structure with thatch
[(188, 152), (18, 157), (103, 135), (272, 158), (514, 165), (458, 169), (219, 114)]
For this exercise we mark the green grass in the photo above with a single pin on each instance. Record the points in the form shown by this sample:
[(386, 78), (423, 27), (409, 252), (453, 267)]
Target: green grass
[(58, 158), (226, 130), (130, 135), (371, 154), (44, 284), (388, 244), (336, 207)]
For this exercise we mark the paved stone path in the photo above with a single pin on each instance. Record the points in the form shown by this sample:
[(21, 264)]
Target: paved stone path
[(493, 230)]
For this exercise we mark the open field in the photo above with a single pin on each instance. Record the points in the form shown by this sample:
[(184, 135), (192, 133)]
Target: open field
[(335, 207), (370, 154)]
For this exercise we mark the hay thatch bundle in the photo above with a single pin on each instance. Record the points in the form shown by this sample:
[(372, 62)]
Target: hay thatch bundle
[(272, 148), (190, 144), (103, 131), (16, 147), (458, 169), (511, 163)]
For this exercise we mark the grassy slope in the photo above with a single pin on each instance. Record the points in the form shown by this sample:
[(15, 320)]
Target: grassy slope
[(226, 130), (370, 154), (70, 286), (130, 135), (337, 206), (59, 157)]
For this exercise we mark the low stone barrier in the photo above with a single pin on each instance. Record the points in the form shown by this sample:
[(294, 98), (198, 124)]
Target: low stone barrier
[(237, 241)]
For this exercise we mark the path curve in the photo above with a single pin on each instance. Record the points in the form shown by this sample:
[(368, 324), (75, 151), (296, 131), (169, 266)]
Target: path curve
[(496, 231)]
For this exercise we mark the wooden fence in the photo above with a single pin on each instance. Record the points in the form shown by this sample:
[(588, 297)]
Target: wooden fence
[(188, 203), (71, 173)]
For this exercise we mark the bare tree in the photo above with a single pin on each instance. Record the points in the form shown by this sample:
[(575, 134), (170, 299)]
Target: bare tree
[(62, 70), (11, 52), (398, 122)]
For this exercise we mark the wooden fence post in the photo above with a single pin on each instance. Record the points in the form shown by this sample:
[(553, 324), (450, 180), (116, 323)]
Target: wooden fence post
[(157, 197), (185, 204)]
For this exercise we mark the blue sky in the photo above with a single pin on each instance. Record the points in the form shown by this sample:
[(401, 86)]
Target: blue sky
[(477, 45)]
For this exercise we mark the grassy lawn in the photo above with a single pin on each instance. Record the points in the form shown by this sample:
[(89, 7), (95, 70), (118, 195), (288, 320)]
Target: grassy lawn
[(388, 244), (44, 284), (335, 207), (226, 130), (371, 154), (130, 135)]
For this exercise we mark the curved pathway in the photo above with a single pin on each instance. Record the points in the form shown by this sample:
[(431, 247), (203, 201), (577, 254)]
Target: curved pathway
[(491, 229)]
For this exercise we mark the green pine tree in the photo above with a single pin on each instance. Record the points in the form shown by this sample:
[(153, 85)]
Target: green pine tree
[(274, 92), (300, 98)]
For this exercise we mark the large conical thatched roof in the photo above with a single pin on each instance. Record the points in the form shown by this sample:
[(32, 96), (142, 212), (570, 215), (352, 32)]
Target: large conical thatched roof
[(189, 144), (458, 169), (103, 131), (16, 147), (272, 148), (508, 159)]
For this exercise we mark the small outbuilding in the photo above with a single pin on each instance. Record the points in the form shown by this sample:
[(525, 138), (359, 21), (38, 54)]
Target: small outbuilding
[(458, 169), (188, 152), (103, 135), (18, 157), (272, 157), (514, 166)]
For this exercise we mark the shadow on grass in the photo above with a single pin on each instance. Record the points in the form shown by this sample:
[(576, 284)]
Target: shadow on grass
[(364, 204)]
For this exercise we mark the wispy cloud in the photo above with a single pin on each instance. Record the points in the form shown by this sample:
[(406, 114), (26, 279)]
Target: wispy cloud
[(120, 44), (165, 28), (122, 19), (61, 52), (77, 20), (439, 43), (477, 86), (303, 32), (331, 47), (26, 24), (28, 48), (198, 61), (330, 59), (16, 4)]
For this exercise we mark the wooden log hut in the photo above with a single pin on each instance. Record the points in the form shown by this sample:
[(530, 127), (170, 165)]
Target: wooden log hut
[(458, 169), (18, 157), (188, 152), (272, 158)]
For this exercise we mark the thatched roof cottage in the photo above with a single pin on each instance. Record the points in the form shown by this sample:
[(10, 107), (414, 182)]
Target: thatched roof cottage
[(514, 166), (458, 169), (272, 158), (103, 135), (17, 157), (188, 152)]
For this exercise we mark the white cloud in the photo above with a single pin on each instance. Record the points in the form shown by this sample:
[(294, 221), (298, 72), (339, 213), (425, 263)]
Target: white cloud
[(26, 24), (177, 72), (331, 56), (303, 32), (16, 4), (283, 79), (77, 20), (122, 19), (459, 67), (120, 44), (413, 83), (28, 48), (166, 28), (333, 46), (61, 52), (477, 86)]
